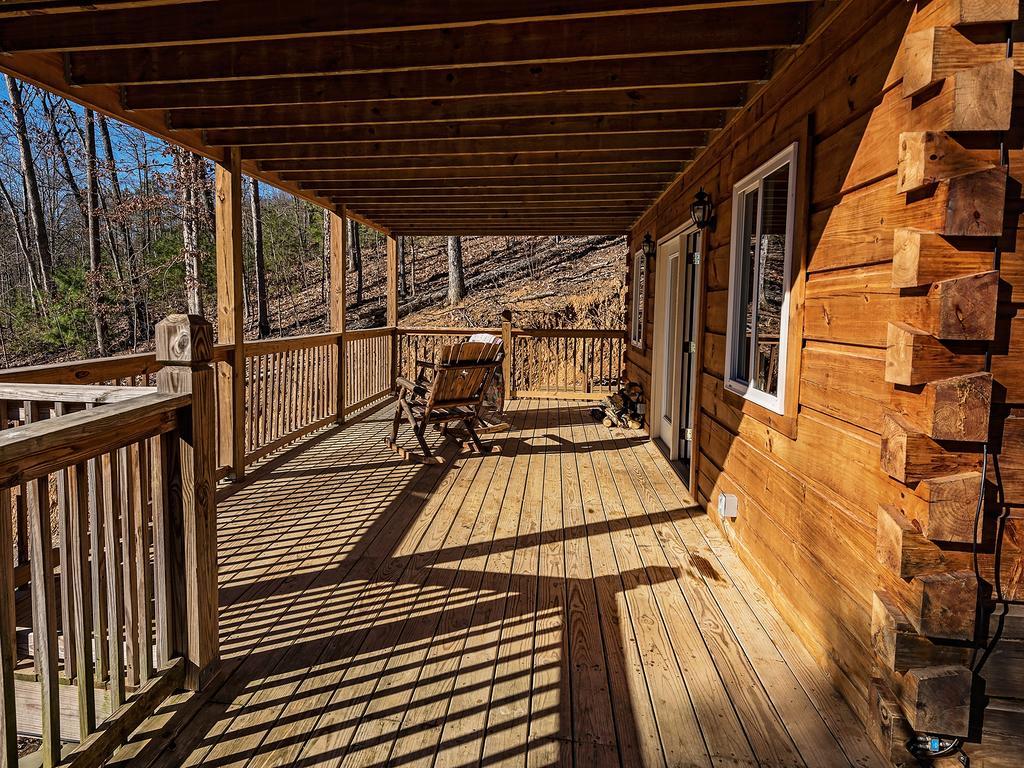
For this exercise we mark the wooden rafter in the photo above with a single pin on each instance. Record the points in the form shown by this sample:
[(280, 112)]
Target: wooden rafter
[(546, 106), (529, 42), (237, 20), (504, 130), (491, 80)]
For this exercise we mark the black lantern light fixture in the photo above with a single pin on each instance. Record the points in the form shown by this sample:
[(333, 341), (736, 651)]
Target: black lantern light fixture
[(702, 210), (649, 247)]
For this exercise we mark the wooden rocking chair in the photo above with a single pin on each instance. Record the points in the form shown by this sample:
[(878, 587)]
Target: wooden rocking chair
[(449, 390)]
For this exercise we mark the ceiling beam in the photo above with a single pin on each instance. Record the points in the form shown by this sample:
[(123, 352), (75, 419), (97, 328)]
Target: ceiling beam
[(602, 125), (547, 106), (484, 202), (471, 147), (509, 184), (539, 173), (237, 20), (469, 207), (754, 28), (537, 230), (518, 79), (444, 163)]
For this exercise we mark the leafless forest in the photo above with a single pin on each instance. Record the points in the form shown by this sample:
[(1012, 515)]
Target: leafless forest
[(105, 230)]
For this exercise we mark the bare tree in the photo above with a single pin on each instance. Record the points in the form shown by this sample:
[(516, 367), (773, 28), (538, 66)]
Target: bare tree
[(62, 153), (456, 273), (190, 199), (355, 258), (262, 305), (137, 316), (91, 204), (403, 283), (325, 258), (33, 199)]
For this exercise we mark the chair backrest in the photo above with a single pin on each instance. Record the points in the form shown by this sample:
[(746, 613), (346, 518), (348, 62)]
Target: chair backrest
[(463, 372)]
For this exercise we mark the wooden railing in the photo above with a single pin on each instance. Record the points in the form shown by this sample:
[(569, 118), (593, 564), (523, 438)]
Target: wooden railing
[(541, 363), (569, 363), (123, 604), (290, 390), (369, 367)]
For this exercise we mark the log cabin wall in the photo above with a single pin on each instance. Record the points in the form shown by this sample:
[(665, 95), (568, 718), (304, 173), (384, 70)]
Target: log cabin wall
[(857, 506)]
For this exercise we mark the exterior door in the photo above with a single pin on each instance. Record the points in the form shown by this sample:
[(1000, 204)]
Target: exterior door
[(668, 384), (688, 319)]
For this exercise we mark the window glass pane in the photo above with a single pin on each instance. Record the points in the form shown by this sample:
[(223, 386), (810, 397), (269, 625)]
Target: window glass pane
[(769, 279), (745, 305)]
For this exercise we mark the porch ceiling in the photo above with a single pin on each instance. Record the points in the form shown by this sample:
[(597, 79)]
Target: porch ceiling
[(458, 116)]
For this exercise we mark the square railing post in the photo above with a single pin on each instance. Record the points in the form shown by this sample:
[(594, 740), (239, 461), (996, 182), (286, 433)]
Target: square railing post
[(184, 346)]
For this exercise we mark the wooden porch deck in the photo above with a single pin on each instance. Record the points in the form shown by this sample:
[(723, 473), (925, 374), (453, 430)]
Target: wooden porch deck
[(558, 602)]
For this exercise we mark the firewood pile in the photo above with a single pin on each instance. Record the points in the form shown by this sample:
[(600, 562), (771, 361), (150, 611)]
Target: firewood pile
[(624, 408)]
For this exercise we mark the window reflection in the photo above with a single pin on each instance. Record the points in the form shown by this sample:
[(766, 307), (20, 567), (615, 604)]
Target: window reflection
[(747, 282), (769, 279)]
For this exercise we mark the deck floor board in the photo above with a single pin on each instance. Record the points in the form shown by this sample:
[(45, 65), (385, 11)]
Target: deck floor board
[(559, 601)]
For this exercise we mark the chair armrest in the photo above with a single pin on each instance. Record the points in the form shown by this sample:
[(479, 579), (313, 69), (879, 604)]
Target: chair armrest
[(411, 387)]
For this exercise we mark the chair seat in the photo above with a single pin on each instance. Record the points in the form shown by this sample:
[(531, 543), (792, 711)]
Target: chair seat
[(442, 414)]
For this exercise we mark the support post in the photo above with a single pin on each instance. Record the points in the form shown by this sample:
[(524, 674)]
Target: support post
[(184, 346), (506, 362), (230, 318), (392, 316), (339, 299)]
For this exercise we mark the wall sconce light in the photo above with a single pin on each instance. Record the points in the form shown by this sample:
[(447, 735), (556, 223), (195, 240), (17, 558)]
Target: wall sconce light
[(649, 248), (702, 210)]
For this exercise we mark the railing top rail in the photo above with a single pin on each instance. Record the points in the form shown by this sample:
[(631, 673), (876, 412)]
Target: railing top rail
[(83, 371), (447, 331), (38, 449), (589, 333), (369, 333), (285, 343), (571, 333), (70, 393)]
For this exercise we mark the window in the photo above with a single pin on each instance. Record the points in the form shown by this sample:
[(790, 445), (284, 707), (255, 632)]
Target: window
[(639, 296), (759, 283)]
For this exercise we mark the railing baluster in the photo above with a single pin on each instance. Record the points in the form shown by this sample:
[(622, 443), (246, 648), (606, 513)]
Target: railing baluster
[(143, 575), (67, 585), (44, 616), (115, 594), (98, 567), (8, 642), (82, 608), (129, 481), (168, 547)]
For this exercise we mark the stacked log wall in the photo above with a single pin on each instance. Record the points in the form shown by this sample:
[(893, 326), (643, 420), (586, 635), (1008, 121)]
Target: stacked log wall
[(856, 510)]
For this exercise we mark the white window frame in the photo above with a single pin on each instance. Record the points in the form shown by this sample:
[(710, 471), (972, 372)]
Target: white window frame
[(776, 402), (639, 299)]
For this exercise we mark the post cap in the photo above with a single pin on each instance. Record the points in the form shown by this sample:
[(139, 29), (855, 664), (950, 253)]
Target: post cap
[(184, 339)]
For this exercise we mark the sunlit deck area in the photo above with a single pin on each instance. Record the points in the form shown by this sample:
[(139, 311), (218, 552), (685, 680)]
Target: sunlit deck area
[(558, 601)]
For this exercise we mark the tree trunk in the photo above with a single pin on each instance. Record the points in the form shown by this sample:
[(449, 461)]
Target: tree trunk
[(91, 202), (456, 274), (325, 259), (62, 154), (403, 283), (355, 258), (138, 313), (23, 245), (190, 199), (412, 265), (262, 305), (28, 172)]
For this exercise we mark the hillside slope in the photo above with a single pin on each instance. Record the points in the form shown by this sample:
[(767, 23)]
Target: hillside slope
[(547, 282)]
